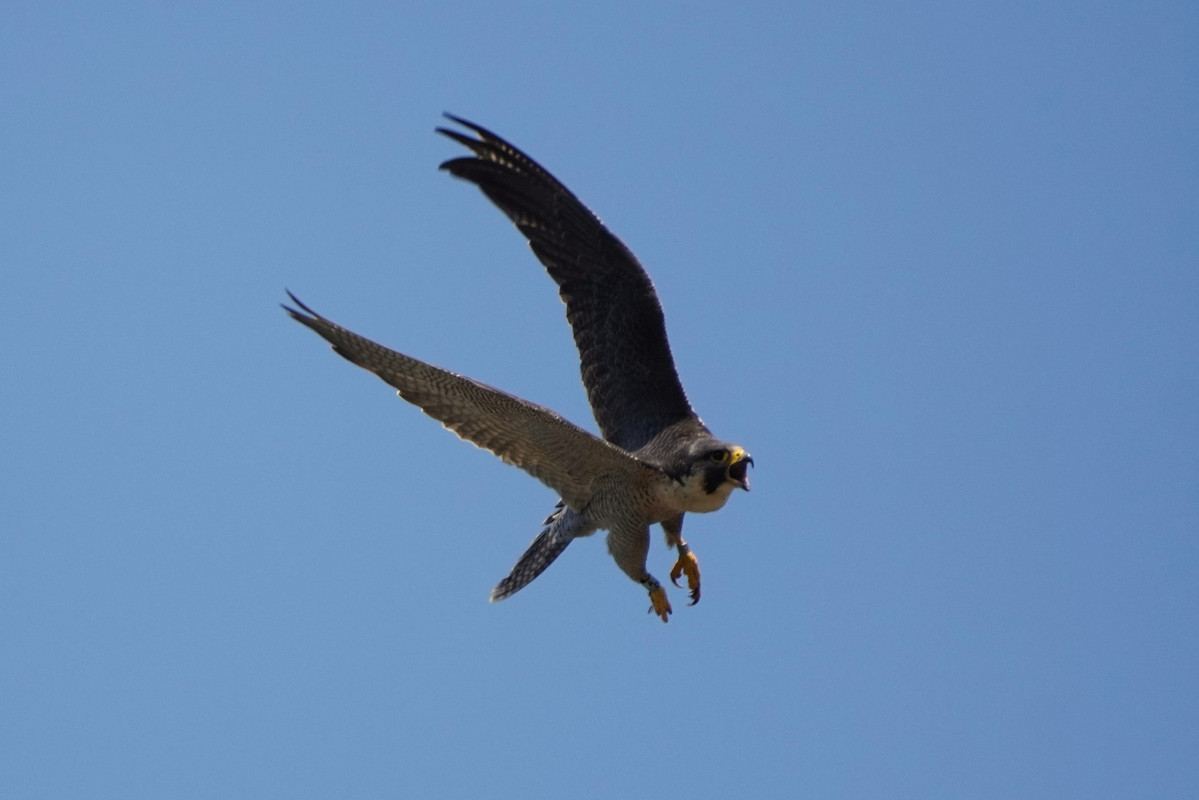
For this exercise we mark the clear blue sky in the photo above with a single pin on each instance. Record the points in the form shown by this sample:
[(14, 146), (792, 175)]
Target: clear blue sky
[(934, 264)]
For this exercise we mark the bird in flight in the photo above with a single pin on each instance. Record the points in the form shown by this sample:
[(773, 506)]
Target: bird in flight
[(656, 461)]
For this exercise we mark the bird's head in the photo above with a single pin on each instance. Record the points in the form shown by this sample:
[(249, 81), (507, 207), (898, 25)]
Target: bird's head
[(714, 468), (710, 473), (725, 464)]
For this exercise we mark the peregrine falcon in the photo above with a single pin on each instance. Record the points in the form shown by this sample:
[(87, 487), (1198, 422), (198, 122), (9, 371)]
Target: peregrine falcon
[(656, 461)]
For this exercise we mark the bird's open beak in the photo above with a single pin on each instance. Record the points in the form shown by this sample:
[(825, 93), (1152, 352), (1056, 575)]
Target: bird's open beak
[(739, 469)]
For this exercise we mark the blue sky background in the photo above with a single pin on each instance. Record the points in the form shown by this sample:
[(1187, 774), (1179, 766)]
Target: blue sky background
[(934, 264)]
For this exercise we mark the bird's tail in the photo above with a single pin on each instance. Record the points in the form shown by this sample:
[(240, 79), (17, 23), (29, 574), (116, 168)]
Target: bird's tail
[(561, 527)]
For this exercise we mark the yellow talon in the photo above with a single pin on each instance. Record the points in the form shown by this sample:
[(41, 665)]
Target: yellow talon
[(661, 606), (687, 563)]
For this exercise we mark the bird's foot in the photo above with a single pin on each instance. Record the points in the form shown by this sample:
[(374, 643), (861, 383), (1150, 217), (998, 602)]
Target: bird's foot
[(688, 564), (661, 606)]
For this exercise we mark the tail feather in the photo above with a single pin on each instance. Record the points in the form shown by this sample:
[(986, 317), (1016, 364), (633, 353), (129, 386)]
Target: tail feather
[(562, 527)]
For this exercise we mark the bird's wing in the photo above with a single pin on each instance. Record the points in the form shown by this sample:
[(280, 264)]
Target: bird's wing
[(613, 310), (562, 456)]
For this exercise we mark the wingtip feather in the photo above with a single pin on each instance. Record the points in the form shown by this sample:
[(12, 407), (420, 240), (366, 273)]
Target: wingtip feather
[(299, 303)]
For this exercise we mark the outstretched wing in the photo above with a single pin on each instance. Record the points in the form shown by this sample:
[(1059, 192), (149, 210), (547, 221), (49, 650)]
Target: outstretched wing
[(613, 310), (563, 456)]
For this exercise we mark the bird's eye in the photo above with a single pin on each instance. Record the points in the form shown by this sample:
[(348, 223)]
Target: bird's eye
[(718, 456)]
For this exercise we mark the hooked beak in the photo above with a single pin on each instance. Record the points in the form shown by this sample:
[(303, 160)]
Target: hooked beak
[(739, 469)]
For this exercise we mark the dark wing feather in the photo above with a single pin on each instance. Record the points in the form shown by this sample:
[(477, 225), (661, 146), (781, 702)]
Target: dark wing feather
[(563, 456), (613, 310)]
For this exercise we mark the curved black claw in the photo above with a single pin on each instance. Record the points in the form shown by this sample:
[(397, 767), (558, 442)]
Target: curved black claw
[(689, 566), (661, 606)]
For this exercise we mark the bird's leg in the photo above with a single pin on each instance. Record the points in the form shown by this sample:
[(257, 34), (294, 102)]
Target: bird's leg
[(629, 546), (687, 563), (657, 598)]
